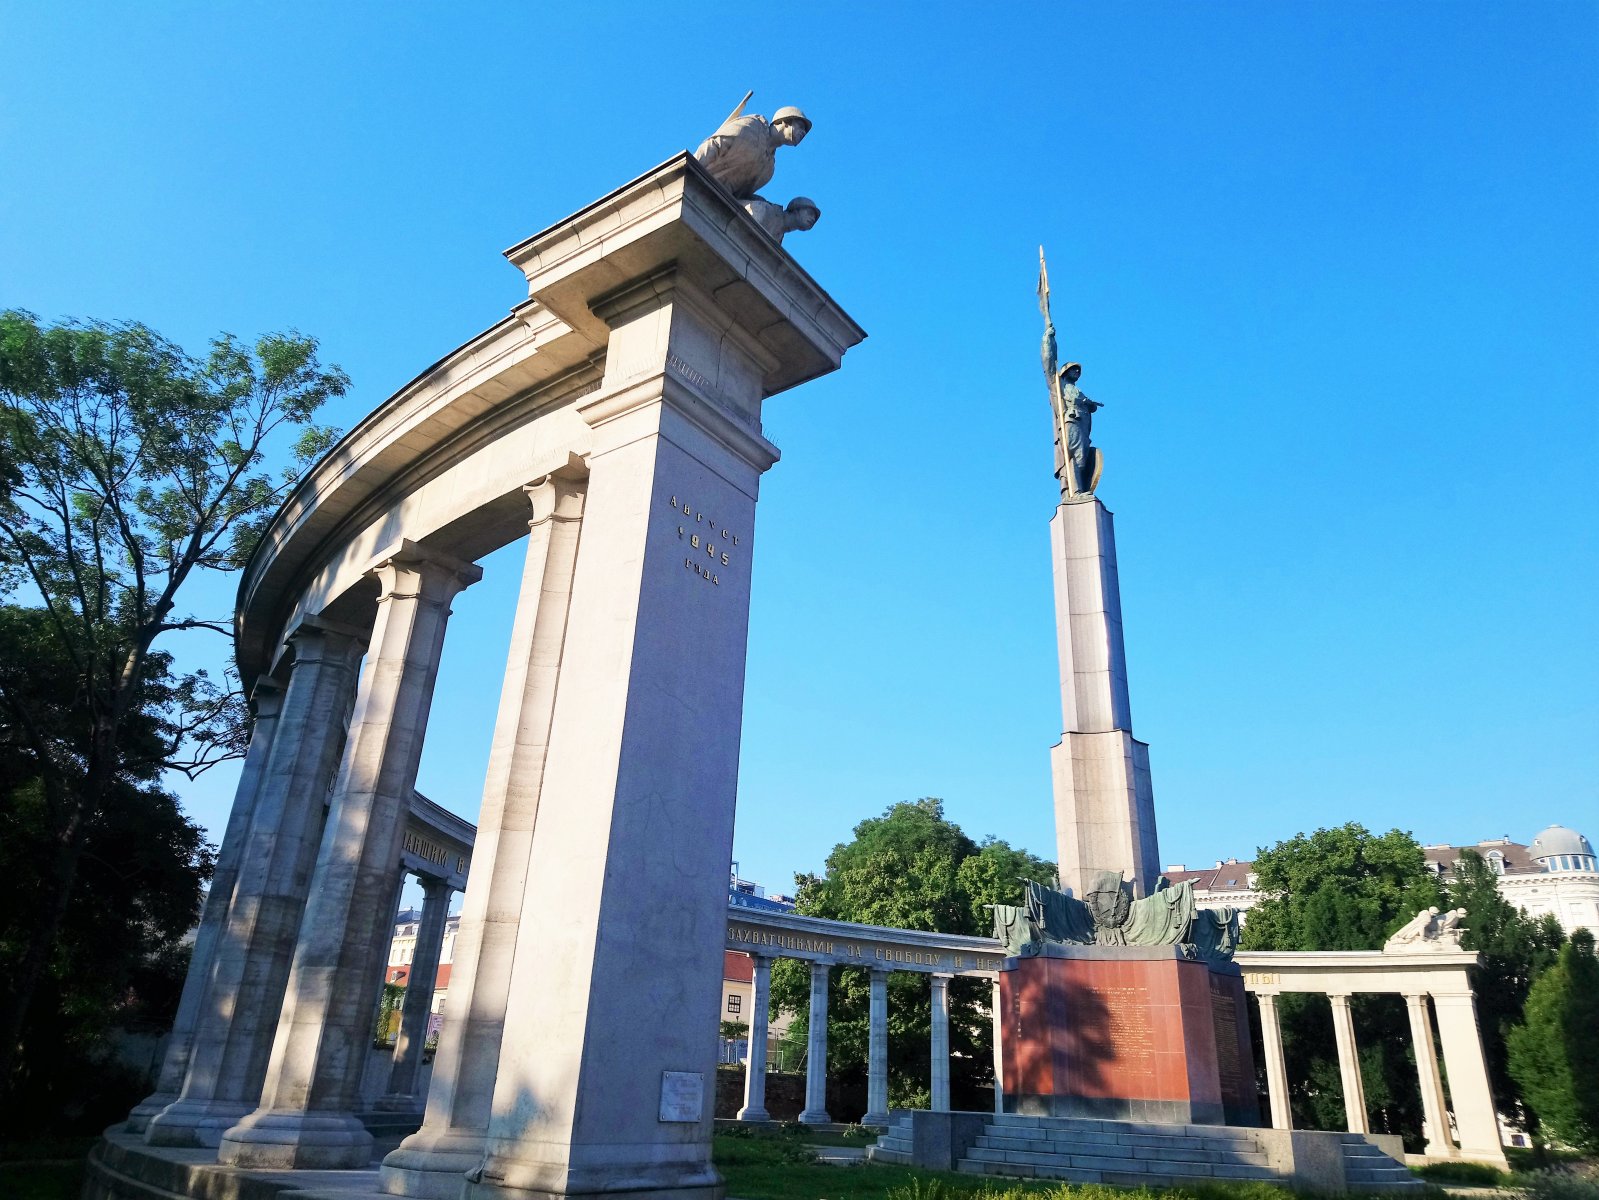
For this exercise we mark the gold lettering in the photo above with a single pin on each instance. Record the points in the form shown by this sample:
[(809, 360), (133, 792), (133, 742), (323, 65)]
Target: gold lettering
[(725, 563)]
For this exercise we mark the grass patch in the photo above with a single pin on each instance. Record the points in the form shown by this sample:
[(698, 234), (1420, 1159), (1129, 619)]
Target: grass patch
[(1464, 1174), (774, 1167)]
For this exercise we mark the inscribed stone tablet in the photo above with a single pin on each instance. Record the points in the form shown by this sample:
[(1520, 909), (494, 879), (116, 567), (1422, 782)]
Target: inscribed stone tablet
[(682, 1095)]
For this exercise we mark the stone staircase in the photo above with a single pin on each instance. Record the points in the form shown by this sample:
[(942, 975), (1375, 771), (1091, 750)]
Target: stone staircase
[(1081, 1150), (1368, 1169)]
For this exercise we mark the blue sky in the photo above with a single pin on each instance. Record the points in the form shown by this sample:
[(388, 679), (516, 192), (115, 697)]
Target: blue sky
[(1330, 268)]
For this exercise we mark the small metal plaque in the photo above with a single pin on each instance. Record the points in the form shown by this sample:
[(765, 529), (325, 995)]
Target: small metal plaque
[(682, 1095)]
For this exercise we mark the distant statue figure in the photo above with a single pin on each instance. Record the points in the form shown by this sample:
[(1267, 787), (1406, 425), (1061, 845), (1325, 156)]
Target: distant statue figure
[(801, 214), (1078, 463), (1429, 930), (1412, 931), (1447, 931), (742, 154)]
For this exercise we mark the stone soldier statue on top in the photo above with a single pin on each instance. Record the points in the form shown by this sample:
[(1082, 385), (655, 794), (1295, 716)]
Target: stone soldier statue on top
[(1078, 463), (742, 156)]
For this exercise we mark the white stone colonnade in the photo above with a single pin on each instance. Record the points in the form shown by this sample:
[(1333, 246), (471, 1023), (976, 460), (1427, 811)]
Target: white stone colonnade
[(613, 420), (1427, 979), (879, 951)]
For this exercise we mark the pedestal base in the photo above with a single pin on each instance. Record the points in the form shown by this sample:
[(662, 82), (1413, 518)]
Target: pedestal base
[(297, 1141), (1126, 1033), (431, 1166), (550, 1181), (194, 1122)]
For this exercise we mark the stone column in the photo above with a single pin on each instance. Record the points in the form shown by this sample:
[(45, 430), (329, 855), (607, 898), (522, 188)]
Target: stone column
[(1435, 1112), (997, 1016), (1349, 1064), (1467, 1072), (431, 1161), (1271, 1040), (412, 1038), (877, 1052), (233, 1035), (816, 1051), (940, 1040), (307, 1112), (1104, 802), (267, 698), (755, 1065)]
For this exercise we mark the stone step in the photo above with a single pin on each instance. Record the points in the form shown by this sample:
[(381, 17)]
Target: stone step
[(1178, 1150), (1036, 1138), (1025, 1162), (1147, 1174)]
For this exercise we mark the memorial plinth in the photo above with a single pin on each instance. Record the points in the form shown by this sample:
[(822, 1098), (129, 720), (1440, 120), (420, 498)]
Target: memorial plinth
[(1126, 1033)]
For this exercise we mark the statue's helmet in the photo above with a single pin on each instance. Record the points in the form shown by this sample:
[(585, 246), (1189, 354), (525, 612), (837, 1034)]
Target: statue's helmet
[(789, 113), (1078, 367), (804, 204)]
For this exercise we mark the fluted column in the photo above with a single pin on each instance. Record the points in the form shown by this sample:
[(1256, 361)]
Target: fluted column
[(1434, 1111), (998, 1017), (877, 1052), (412, 1038), (460, 1094), (940, 1040), (1271, 1039), (307, 1112), (233, 1035), (755, 1063), (816, 1051), (1349, 1064), (266, 700)]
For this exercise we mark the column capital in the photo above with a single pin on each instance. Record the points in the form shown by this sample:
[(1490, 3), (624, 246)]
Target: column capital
[(317, 639), (410, 570), (559, 495), (876, 970), (1339, 999), (266, 699), (943, 976), (434, 885)]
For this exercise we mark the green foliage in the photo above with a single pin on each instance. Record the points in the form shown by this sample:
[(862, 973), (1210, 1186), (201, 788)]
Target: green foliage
[(1465, 1174), (1515, 948), (1556, 1184), (733, 1030), (125, 467), (1554, 1053), (1344, 889), (910, 868), (387, 1027)]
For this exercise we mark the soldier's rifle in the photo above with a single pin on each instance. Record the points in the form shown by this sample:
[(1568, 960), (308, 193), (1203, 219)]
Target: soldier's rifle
[(1050, 371)]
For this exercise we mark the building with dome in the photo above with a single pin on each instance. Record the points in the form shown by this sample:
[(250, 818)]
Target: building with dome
[(1558, 873)]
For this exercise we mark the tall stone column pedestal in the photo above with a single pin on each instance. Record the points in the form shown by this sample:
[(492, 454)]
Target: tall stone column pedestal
[(1104, 802), (1127, 1033), (604, 1085)]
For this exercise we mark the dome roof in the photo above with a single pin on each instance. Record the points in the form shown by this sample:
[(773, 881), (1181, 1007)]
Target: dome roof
[(1557, 839)]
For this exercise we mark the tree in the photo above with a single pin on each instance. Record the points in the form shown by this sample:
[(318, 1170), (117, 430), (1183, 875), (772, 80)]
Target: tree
[(1343, 889), (1515, 948), (120, 958), (125, 468), (1554, 1054), (911, 868)]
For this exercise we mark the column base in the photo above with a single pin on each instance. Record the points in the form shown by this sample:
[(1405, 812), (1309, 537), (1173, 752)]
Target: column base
[(753, 1114), (432, 1166), (815, 1116), (139, 1118), (194, 1122), (875, 1118), (296, 1141)]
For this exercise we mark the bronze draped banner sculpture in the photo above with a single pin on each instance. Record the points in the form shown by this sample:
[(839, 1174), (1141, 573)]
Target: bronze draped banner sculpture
[(1109, 916)]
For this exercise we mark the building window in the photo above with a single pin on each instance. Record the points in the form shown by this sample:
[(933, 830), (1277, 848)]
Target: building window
[(735, 1004), (1496, 863)]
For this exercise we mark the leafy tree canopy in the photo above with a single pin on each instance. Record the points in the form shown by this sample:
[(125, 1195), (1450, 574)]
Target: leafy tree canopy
[(911, 868), (1554, 1055), (125, 467)]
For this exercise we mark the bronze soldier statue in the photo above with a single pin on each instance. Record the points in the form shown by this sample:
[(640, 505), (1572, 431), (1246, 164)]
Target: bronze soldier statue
[(1078, 463)]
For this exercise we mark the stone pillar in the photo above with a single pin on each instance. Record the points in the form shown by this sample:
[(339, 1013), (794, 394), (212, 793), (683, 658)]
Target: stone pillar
[(755, 1064), (877, 1052), (604, 1086), (1435, 1112), (431, 1162), (940, 1040), (1271, 1040), (997, 1016), (1467, 1072), (816, 1051), (267, 698), (233, 1035), (307, 1112), (1104, 803), (413, 1035), (1349, 1064)]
